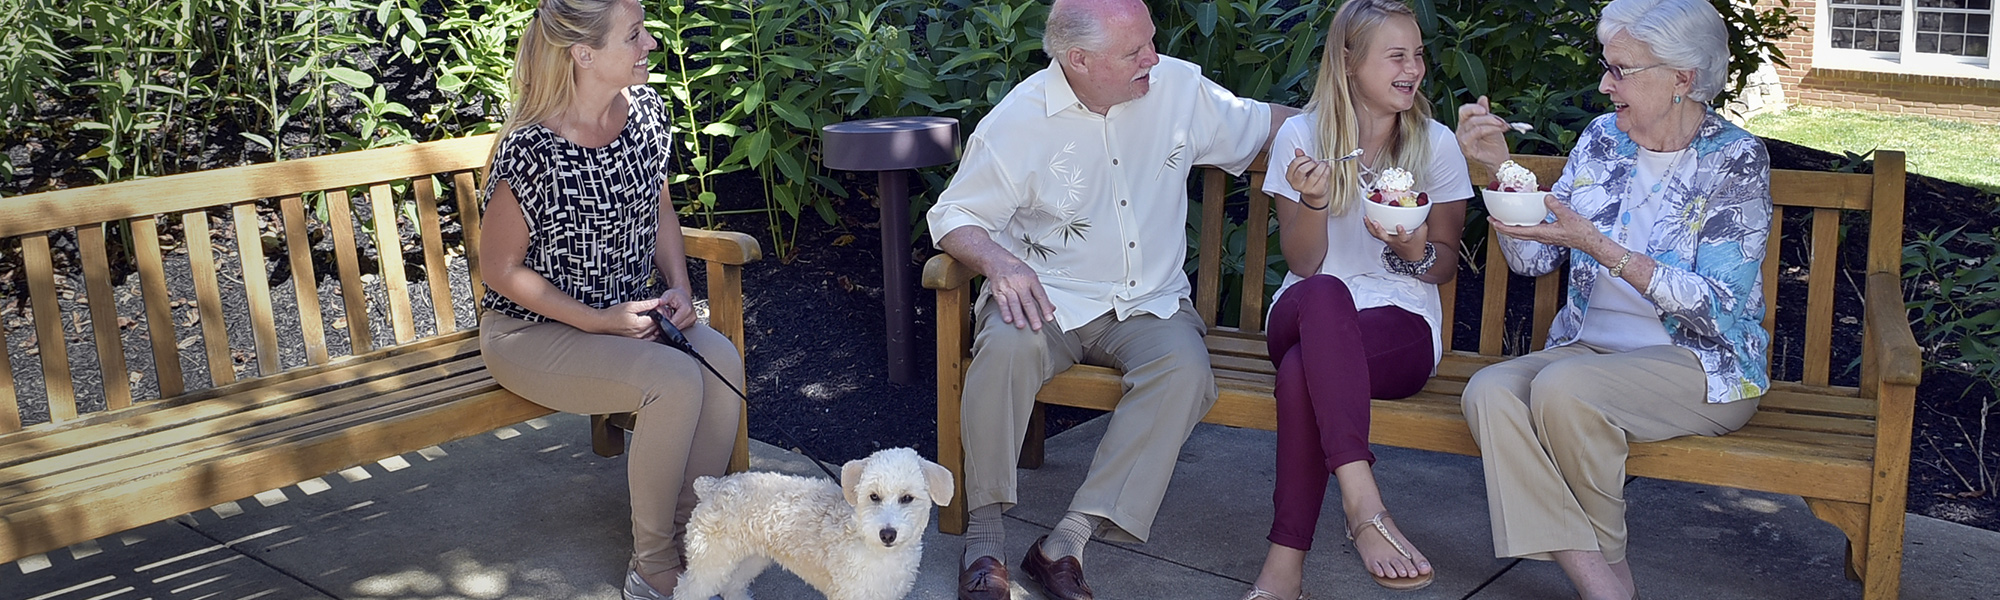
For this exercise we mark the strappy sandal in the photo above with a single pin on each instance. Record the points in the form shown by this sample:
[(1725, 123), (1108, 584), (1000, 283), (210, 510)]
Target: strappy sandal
[(1401, 584), (1257, 593)]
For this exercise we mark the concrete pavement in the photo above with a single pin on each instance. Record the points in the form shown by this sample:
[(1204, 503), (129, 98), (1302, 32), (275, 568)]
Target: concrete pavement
[(528, 512)]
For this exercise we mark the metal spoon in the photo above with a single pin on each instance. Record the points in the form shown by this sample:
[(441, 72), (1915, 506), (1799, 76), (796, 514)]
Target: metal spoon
[(1521, 127), (1350, 156)]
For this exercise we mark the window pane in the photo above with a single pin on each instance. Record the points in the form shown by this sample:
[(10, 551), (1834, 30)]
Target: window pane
[(1979, 4), (1843, 17), (1889, 42), (1975, 46), (1951, 44), (1892, 21), (1929, 21), (1978, 23), (1954, 23), (1927, 42), (1928, 3)]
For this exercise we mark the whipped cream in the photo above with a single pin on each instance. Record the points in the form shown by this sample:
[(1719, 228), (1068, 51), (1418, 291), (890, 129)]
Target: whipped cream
[(1515, 178), (1395, 179)]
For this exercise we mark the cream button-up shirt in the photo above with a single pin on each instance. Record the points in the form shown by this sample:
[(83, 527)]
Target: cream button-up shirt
[(1097, 204)]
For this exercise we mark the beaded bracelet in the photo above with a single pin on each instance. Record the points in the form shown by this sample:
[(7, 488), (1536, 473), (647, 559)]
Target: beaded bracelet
[(1396, 264)]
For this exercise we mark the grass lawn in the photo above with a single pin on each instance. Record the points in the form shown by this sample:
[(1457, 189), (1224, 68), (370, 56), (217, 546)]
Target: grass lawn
[(1966, 153)]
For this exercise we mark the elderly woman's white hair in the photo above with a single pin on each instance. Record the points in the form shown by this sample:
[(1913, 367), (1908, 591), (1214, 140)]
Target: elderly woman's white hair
[(1685, 34)]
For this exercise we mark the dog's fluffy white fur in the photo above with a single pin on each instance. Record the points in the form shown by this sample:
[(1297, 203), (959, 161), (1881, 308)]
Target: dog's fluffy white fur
[(859, 540)]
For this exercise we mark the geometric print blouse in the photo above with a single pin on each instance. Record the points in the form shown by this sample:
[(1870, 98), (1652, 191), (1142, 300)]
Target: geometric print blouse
[(592, 213), (1708, 241)]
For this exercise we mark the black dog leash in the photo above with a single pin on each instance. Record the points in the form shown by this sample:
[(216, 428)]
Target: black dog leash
[(670, 336)]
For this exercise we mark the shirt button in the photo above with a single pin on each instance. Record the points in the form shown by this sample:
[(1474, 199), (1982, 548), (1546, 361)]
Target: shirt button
[(1114, 161), (1131, 244), (1121, 202), (1132, 283)]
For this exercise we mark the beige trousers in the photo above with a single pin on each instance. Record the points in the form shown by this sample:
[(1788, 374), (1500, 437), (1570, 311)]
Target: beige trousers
[(1168, 388), (1553, 428), (686, 423)]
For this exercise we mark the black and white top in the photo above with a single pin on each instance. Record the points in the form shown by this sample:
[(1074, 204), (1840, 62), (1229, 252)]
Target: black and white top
[(592, 213)]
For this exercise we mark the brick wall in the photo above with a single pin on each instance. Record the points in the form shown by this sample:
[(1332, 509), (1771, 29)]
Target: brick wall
[(1964, 99)]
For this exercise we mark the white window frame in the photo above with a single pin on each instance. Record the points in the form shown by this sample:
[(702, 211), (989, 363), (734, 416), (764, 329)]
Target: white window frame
[(1907, 60)]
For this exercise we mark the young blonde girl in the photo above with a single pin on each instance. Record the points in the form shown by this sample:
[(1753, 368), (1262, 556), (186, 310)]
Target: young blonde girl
[(1358, 315)]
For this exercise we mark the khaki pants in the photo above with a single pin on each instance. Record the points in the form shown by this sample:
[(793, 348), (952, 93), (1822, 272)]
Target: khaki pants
[(686, 423), (1553, 428), (1168, 388)]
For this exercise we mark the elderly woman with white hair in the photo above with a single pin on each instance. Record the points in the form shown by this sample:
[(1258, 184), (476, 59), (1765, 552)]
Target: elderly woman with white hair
[(1662, 213)]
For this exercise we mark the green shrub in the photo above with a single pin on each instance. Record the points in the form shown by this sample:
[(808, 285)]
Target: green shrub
[(1956, 281), (754, 80)]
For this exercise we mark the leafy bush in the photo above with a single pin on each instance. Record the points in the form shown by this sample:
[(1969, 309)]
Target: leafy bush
[(754, 80), (1956, 276)]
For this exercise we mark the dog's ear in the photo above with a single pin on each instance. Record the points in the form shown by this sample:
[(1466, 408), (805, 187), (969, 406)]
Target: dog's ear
[(850, 476), (938, 479)]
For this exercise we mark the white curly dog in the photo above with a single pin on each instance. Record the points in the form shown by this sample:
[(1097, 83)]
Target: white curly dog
[(861, 540)]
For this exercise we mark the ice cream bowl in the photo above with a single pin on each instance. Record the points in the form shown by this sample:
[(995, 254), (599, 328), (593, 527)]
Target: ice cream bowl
[(1518, 209), (1388, 217)]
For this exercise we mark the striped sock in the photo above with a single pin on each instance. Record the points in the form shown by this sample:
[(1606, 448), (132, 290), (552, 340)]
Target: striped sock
[(1070, 535), (985, 534)]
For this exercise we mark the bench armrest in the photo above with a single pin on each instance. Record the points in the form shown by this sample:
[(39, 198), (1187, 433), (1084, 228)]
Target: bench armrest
[(942, 272), (726, 247), (1897, 358)]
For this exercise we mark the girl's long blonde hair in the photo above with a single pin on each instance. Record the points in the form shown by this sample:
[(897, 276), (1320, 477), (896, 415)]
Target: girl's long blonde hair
[(544, 76), (1333, 105)]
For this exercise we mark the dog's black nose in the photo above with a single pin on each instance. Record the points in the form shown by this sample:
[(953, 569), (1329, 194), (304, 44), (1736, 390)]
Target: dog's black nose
[(888, 537)]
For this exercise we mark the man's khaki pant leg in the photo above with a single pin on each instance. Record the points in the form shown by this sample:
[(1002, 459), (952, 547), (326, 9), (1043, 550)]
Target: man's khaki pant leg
[(1009, 366), (1169, 386)]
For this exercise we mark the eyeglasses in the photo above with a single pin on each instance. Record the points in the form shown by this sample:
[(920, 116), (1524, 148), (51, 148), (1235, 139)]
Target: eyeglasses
[(1618, 73)]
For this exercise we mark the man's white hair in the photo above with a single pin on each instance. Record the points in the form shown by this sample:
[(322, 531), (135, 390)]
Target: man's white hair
[(1076, 24)]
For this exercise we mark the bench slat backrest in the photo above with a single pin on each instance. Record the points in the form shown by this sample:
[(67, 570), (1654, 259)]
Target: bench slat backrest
[(127, 215), (1823, 196)]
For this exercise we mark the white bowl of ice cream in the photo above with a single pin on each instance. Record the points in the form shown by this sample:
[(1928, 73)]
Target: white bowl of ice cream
[(1513, 197), (1392, 204)]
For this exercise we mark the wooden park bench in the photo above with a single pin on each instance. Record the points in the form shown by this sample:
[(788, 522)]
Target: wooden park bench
[(1845, 450), (260, 424)]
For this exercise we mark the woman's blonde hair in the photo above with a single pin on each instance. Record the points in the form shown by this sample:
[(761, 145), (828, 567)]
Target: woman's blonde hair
[(544, 75), (1333, 104)]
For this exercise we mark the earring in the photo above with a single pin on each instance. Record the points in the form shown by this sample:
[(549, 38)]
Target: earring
[(1677, 98)]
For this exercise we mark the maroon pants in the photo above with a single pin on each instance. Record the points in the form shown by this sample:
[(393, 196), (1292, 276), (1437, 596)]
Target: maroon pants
[(1331, 359)]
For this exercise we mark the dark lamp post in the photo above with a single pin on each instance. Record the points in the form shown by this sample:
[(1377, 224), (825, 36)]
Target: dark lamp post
[(891, 146)]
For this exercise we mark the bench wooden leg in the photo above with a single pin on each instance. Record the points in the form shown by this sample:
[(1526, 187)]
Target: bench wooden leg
[(1852, 519), (1031, 444), (607, 433), (951, 454), (1882, 573), (1874, 543)]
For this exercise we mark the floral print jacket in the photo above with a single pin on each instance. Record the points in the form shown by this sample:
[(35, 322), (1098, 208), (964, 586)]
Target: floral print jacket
[(1709, 244)]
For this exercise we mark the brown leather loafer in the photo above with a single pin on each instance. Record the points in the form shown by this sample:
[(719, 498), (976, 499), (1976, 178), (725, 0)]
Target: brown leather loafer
[(1063, 579), (986, 579)]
